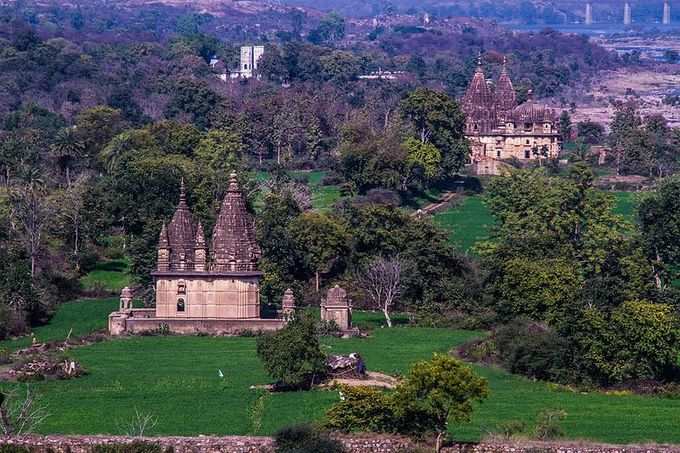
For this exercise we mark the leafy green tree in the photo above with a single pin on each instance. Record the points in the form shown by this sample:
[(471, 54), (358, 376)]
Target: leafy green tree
[(66, 150), (438, 120), (292, 356), (422, 160), (323, 240), (437, 392), (331, 29), (565, 126), (638, 340), (591, 132), (542, 289), (340, 67), (95, 127), (282, 261), (220, 151), (193, 98), (659, 216)]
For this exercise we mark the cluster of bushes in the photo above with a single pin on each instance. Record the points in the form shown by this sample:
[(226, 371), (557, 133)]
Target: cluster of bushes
[(579, 295), (433, 394)]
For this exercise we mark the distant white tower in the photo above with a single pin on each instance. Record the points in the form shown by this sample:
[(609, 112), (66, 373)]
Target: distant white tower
[(589, 13), (627, 14), (250, 57), (666, 12)]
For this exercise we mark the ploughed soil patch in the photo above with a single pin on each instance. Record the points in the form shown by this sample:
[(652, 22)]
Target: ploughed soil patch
[(49, 360)]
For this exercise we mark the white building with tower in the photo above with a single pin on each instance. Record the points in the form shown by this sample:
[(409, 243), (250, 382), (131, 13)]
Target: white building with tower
[(250, 58)]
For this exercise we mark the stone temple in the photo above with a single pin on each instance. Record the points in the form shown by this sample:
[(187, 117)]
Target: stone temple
[(199, 289), (498, 128)]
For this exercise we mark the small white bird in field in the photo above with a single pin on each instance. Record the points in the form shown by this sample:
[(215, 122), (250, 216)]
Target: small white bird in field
[(220, 374)]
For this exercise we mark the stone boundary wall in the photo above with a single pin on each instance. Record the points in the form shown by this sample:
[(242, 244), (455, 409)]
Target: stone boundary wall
[(353, 444)]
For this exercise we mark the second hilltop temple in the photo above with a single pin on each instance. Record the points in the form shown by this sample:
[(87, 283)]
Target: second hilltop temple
[(212, 290), (498, 128)]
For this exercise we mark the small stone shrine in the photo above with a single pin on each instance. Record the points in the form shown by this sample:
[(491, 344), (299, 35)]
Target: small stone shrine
[(337, 308)]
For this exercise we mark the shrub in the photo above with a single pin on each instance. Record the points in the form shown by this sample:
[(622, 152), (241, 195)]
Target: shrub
[(305, 439), (332, 179), (433, 394), (548, 424), (10, 448), (5, 356), (363, 409), (534, 350), (134, 447), (511, 428), (293, 355)]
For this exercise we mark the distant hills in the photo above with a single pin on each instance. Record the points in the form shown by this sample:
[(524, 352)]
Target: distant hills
[(525, 11)]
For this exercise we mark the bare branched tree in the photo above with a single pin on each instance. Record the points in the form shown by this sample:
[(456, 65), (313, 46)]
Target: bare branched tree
[(140, 424), (381, 279), (31, 212), (20, 413)]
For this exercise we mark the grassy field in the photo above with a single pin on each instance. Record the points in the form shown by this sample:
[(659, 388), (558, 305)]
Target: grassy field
[(110, 276), (470, 221), (323, 197), (176, 380), (81, 316)]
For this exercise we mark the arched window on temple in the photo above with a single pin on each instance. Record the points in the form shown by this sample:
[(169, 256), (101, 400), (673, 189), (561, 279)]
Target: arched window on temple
[(180, 305)]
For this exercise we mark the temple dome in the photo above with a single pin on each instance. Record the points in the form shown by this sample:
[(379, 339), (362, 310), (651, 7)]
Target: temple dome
[(234, 248), (533, 112)]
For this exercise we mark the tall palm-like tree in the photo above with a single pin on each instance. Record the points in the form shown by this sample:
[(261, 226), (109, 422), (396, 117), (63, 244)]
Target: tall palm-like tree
[(66, 150)]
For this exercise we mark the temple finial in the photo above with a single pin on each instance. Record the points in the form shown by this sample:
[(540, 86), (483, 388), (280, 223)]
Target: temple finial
[(479, 61), (163, 241), (182, 191), (233, 182)]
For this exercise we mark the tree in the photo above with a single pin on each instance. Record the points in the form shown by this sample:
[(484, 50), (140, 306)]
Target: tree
[(330, 29), (438, 120), (422, 162), (381, 280), (322, 239), (66, 150), (638, 340), (20, 414), (31, 212), (71, 210), (565, 126), (293, 355), (95, 127), (437, 392), (659, 216), (590, 132)]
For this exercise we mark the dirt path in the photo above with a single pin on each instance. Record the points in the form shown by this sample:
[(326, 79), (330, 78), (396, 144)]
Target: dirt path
[(373, 379), (433, 208)]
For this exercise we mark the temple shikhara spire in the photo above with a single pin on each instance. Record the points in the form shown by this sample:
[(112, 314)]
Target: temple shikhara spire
[(498, 128), (233, 243)]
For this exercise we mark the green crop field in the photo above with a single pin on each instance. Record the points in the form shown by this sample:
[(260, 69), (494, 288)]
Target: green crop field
[(470, 221), (110, 276), (81, 317), (323, 197), (176, 380)]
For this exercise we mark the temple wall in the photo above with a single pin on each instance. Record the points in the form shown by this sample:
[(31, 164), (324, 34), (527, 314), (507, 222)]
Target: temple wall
[(190, 326), (506, 147), (223, 298), (358, 443)]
